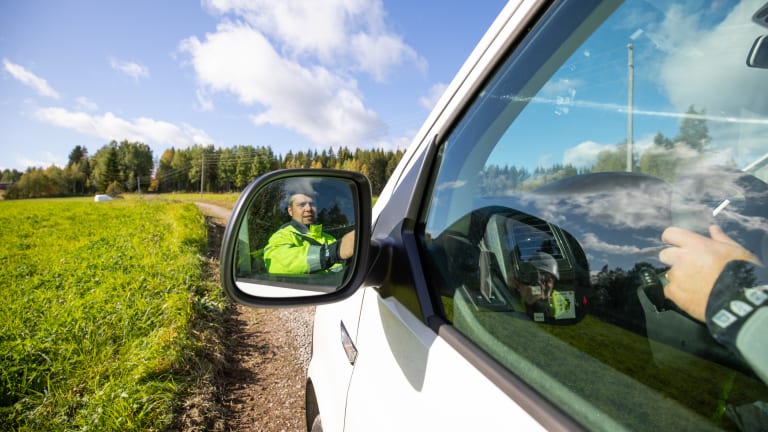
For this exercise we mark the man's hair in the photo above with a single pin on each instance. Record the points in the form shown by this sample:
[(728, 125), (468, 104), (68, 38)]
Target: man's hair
[(289, 201)]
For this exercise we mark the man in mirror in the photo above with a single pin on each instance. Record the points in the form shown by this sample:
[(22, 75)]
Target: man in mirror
[(300, 246), (535, 287)]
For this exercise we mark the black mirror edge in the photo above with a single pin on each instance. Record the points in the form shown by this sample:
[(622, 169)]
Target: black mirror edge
[(761, 16), (362, 240), (758, 54)]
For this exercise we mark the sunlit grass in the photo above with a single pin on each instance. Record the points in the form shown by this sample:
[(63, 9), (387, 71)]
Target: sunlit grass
[(226, 200), (96, 301)]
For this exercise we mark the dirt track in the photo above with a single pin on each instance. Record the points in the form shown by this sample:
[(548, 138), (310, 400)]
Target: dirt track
[(260, 386)]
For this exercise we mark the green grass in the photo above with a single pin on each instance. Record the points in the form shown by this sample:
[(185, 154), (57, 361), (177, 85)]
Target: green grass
[(226, 200), (600, 373), (96, 305)]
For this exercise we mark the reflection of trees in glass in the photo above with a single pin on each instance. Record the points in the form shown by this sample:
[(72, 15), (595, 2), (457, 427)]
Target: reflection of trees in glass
[(665, 159), (693, 130), (612, 160), (743, 274), (496, 180), (667, 156), (334, 221), (267, 214), (614, 297)]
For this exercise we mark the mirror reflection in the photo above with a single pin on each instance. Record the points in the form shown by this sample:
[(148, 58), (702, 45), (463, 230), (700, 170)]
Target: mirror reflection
[(298, 231)]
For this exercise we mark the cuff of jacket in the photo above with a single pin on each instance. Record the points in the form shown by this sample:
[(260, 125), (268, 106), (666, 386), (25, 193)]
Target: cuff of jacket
[(733, 300), (315, 260)]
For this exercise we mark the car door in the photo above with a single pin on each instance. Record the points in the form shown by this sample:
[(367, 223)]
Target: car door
[(403, 362), (518, 281)]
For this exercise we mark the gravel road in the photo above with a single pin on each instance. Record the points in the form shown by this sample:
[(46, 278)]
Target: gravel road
[(260, 386)]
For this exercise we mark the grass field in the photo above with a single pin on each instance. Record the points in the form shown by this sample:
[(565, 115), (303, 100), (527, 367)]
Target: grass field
[(226, 200), (97, 303)]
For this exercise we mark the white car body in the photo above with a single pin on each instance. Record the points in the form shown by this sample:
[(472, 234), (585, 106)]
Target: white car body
[(490, 291), (409, 380)]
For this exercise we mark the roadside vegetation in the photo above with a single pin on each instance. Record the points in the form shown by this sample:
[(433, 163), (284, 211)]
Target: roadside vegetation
[(131, 167), (226, 200), (100, 312)]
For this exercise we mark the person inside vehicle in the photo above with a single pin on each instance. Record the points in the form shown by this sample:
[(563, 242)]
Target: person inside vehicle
[(300, 246), (536, 288), (717, 281)]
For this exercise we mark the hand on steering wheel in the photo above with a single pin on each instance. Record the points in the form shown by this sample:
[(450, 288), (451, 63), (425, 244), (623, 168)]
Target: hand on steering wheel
[(696, 262)]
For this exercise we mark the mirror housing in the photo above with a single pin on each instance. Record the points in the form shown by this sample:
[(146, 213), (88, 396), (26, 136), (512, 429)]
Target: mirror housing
[(758, 54), (262, 210)]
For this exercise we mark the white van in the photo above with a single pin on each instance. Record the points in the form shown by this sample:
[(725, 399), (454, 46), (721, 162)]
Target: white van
[(509, 276)]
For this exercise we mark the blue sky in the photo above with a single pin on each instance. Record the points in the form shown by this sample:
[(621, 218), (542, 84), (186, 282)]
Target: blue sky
[(685, 54), (293, 75)]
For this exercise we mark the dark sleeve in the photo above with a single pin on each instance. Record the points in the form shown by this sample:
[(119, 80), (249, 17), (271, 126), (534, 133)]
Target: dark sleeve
[(329, 255), (736, 313)]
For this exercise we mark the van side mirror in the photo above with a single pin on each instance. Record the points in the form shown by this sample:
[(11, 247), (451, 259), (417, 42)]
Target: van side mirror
[(298, 237), (758, 54)]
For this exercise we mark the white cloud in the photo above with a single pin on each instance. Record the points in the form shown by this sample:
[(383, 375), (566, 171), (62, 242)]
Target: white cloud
[(640, 204), (132, 69), (296, 63), (686, 44), (338, 32), (313, 101), (557, 88), (584, 154), (316, 28), (377, 54), (710, 52), (28, 78), (435, 93), (592, 242), (87, 104), (44, 160), (204, 102), (111, 127)]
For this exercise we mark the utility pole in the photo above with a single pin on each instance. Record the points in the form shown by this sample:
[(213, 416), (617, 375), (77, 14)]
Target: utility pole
[(202, 174), (631, 71)]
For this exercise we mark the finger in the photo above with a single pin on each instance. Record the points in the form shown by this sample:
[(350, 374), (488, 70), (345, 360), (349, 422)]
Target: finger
[(670, 291), (670, 255), (682, 237), (717, 234), (671, 288), (672, 234)]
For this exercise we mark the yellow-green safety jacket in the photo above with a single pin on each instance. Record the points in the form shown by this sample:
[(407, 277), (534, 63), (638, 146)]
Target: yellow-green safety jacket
[(297, 249)]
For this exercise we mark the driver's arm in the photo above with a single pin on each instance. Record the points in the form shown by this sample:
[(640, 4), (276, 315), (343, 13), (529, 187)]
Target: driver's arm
[(712, 279)]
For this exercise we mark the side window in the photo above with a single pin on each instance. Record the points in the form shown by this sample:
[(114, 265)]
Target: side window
[(610, 123)]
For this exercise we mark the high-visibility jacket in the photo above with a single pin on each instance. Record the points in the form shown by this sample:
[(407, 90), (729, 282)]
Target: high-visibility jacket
[(297, 249)]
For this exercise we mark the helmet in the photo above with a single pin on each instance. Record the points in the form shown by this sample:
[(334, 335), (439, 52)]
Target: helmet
[(543, 261)]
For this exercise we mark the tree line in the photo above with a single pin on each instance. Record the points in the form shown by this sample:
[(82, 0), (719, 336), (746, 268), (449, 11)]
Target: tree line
[(665, 158), (129, 167)]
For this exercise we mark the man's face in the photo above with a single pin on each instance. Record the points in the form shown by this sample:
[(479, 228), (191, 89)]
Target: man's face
[(547, 283), (302, 209), (533, 293)]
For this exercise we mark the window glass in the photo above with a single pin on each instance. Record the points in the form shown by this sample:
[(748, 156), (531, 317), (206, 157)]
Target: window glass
[(293, 232), (611, 122)]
